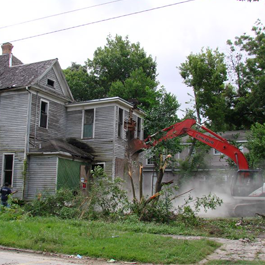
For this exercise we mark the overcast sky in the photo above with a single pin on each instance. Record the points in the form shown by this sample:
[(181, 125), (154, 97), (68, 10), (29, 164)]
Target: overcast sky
[(168, 34)]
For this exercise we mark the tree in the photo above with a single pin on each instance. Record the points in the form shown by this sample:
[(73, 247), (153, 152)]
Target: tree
[(157, 118), (256, 145), (78, 81), (118, 61), (206, 73), (137, 86), (120, 68), (248, 97)]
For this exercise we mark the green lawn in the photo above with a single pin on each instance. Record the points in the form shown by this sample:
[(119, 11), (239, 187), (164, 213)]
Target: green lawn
[(101, 239), (128, 240)]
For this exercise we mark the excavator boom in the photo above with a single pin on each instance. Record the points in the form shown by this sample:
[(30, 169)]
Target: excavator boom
[(185, 127)]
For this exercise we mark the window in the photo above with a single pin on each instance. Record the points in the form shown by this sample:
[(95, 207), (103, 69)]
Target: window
[(50, 82), (102, 165), (44, 108), (150, 161), (8, 167), (88, 123), (120, 123), (139, 127)]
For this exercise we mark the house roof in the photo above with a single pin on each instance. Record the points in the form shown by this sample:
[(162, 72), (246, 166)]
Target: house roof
[(63, 147), (21, 75), (101, 102)]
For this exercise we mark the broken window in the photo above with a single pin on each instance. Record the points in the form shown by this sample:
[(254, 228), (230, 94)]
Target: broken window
[(120, 123), (8, 168), (44, 107), (88, 123)]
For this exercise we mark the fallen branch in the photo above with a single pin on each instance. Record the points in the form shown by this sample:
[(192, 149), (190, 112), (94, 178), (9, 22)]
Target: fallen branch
[(180, 194)]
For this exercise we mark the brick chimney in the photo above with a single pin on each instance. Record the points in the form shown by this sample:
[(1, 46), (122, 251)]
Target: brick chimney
[(7, 48)]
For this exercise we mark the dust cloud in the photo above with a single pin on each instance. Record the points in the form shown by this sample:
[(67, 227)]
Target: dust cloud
[(205, 185)]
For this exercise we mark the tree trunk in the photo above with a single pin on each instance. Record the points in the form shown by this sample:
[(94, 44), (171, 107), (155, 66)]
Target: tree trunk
[(140, 182)]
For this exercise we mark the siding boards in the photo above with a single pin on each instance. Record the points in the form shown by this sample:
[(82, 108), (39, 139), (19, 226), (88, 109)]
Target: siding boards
[(56, 121), (13, 120), (52, 76), (74, 124), (104, 123), (41, 175)]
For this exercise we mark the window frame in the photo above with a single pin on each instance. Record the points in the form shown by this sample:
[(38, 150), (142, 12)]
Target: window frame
[(83, 124), (3, 180), (47, 113)]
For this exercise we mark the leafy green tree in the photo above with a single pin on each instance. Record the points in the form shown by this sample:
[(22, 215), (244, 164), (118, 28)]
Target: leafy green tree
[(256, 145), (248, 97), (77, 78), (120, 68), (161, 116), (137, 86), (117, 61), (206, 73)]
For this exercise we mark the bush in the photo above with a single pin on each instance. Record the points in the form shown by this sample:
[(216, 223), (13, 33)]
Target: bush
[(105, 198)]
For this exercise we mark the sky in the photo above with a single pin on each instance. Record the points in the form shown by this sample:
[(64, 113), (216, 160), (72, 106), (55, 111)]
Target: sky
[(168, 30)]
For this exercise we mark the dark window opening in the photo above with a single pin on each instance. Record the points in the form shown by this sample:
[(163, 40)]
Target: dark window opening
[(98, 165), (44, 114), (88, 123), (139, 125), (120, 125), (50, 82), (8, 168)]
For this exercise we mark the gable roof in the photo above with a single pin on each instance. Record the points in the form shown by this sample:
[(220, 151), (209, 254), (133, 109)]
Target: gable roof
[(24, 75), (21, 75)]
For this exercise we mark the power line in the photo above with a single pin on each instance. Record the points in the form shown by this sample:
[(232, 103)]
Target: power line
[(59, 14), (102, 20)]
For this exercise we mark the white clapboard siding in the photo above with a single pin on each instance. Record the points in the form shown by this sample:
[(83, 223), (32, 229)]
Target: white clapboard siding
[(41, 175)]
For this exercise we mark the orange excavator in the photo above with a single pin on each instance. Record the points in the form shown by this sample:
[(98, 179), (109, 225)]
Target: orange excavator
[(248, 187)]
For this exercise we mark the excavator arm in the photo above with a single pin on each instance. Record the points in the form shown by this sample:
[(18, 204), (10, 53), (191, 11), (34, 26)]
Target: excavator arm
[(217, 142), (248, 187)]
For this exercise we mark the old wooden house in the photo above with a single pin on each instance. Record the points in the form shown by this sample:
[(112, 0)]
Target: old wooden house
[(49, 141)]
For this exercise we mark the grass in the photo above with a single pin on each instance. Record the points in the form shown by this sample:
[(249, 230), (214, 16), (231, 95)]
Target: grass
[(128, 240), (101, 239)]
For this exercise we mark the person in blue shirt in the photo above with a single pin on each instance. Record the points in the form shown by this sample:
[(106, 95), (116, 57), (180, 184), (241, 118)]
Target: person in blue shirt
[(5, 191)]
